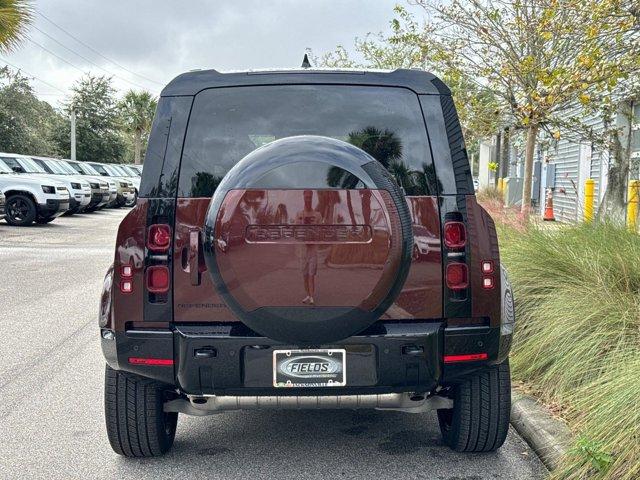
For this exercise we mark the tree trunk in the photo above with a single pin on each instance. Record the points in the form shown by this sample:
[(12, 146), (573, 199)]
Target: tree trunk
[(497, 159), (532, 136), (504, 154), (613, 206), (137, 147)]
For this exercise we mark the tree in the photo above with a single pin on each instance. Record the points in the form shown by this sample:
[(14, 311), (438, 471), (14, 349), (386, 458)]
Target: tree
[(98, 136), (136, 113), (26, 123), (15, 15), (615, 137), (411, 44), (513, 63), (539, 57)]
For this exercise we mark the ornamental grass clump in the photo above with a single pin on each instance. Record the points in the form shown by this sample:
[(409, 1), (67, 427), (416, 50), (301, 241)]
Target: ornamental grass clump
[(577, 291)]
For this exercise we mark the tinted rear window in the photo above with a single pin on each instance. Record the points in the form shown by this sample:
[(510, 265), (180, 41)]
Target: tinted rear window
[(228, 123)]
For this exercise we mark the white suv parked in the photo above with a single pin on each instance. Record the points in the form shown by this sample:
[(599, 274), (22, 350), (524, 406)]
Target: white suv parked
[(79, 189), (31, 199), (83, 168)]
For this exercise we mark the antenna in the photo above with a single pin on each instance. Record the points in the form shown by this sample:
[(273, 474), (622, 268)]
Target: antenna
[(305, 62)]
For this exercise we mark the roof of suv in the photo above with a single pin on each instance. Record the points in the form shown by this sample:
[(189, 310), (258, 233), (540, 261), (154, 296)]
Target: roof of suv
[(419, 81)]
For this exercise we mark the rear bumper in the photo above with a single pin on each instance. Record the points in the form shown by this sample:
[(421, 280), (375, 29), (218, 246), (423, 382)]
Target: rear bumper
[(387, 358)]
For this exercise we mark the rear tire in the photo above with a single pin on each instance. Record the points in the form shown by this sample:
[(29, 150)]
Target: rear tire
[(137, 425), (479, 419)]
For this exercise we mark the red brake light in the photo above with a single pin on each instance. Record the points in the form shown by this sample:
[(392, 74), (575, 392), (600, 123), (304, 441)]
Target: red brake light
[(162, 362), (159, 238), (487, 266), (465, 358), (158, 279), (457, 276), (455, 235)]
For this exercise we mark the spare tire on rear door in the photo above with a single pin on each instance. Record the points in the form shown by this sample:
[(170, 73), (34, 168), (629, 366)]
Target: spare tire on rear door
[(308, 240)]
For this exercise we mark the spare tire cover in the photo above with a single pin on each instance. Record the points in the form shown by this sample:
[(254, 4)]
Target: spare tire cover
[(301, 215)]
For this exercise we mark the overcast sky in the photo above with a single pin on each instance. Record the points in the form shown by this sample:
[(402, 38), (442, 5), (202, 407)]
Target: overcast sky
[(158, 39)]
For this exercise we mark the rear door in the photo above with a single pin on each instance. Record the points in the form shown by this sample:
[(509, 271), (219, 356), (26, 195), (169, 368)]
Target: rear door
[(228, 123)]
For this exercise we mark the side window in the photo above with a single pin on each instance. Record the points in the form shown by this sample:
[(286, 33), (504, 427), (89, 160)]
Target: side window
[(99, 168), (11, 162), (162, 159), (43, 165), (447, 145)]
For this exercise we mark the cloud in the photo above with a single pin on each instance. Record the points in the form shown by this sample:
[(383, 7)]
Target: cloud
[(160, 39)]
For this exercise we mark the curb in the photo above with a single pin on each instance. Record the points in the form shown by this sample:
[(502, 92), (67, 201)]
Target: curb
[(546, 435)]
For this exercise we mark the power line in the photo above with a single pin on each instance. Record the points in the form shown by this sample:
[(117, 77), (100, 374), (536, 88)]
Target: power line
[(33, 76), (96, 51), (56, 55), (86, 59), (68, 62)]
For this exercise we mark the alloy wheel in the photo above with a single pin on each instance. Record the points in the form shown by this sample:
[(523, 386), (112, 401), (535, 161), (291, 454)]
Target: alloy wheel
[(17, 209)]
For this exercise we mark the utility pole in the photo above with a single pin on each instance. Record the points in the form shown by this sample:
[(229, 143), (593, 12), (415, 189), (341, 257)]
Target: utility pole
[(73, 134)]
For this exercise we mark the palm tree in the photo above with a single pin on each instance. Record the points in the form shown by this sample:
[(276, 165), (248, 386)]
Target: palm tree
[(137, 110), (15, 15), (385, 147)]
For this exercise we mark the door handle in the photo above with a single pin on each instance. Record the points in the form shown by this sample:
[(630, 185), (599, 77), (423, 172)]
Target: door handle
[(194, 254)]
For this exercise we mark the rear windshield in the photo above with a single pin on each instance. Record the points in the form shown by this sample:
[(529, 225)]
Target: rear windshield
[(228, 123)]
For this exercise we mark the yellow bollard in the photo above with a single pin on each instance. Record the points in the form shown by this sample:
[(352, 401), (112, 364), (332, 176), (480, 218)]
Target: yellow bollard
[(501, 185), (589, 195), (632, 205)]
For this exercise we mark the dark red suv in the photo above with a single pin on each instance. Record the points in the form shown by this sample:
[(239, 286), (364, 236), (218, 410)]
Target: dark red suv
[(306, 239)]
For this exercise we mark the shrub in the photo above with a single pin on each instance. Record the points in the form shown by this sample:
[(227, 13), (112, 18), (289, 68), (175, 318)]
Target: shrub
[(577, 292), (489, 195)]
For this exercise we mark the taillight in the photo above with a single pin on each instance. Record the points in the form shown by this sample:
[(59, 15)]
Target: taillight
[(457, 276), (159, 238), (487, 270), (158, 279), (126, 286), (455, 235), (126, 280)]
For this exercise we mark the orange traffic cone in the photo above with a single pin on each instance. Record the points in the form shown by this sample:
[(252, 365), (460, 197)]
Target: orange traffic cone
[(548, 208)]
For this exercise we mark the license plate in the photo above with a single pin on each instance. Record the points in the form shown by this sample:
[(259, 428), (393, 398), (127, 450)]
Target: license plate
[(309, 368)]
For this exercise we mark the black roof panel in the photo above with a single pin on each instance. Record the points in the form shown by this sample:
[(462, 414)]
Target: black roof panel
[(419, 81)]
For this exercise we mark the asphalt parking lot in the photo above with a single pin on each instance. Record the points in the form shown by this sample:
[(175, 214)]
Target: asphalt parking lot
[(51, 381)]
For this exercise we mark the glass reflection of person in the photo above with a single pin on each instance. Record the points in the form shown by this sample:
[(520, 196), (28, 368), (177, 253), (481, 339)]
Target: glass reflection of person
[(309, 252)]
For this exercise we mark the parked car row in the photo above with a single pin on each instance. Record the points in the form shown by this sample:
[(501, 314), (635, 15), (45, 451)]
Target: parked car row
[(40, 189)]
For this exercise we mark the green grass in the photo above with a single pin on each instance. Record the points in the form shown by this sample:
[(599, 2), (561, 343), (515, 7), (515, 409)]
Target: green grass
[(577, 343)]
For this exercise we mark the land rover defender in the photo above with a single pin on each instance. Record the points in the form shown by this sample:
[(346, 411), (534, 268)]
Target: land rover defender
[(306, 239)]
